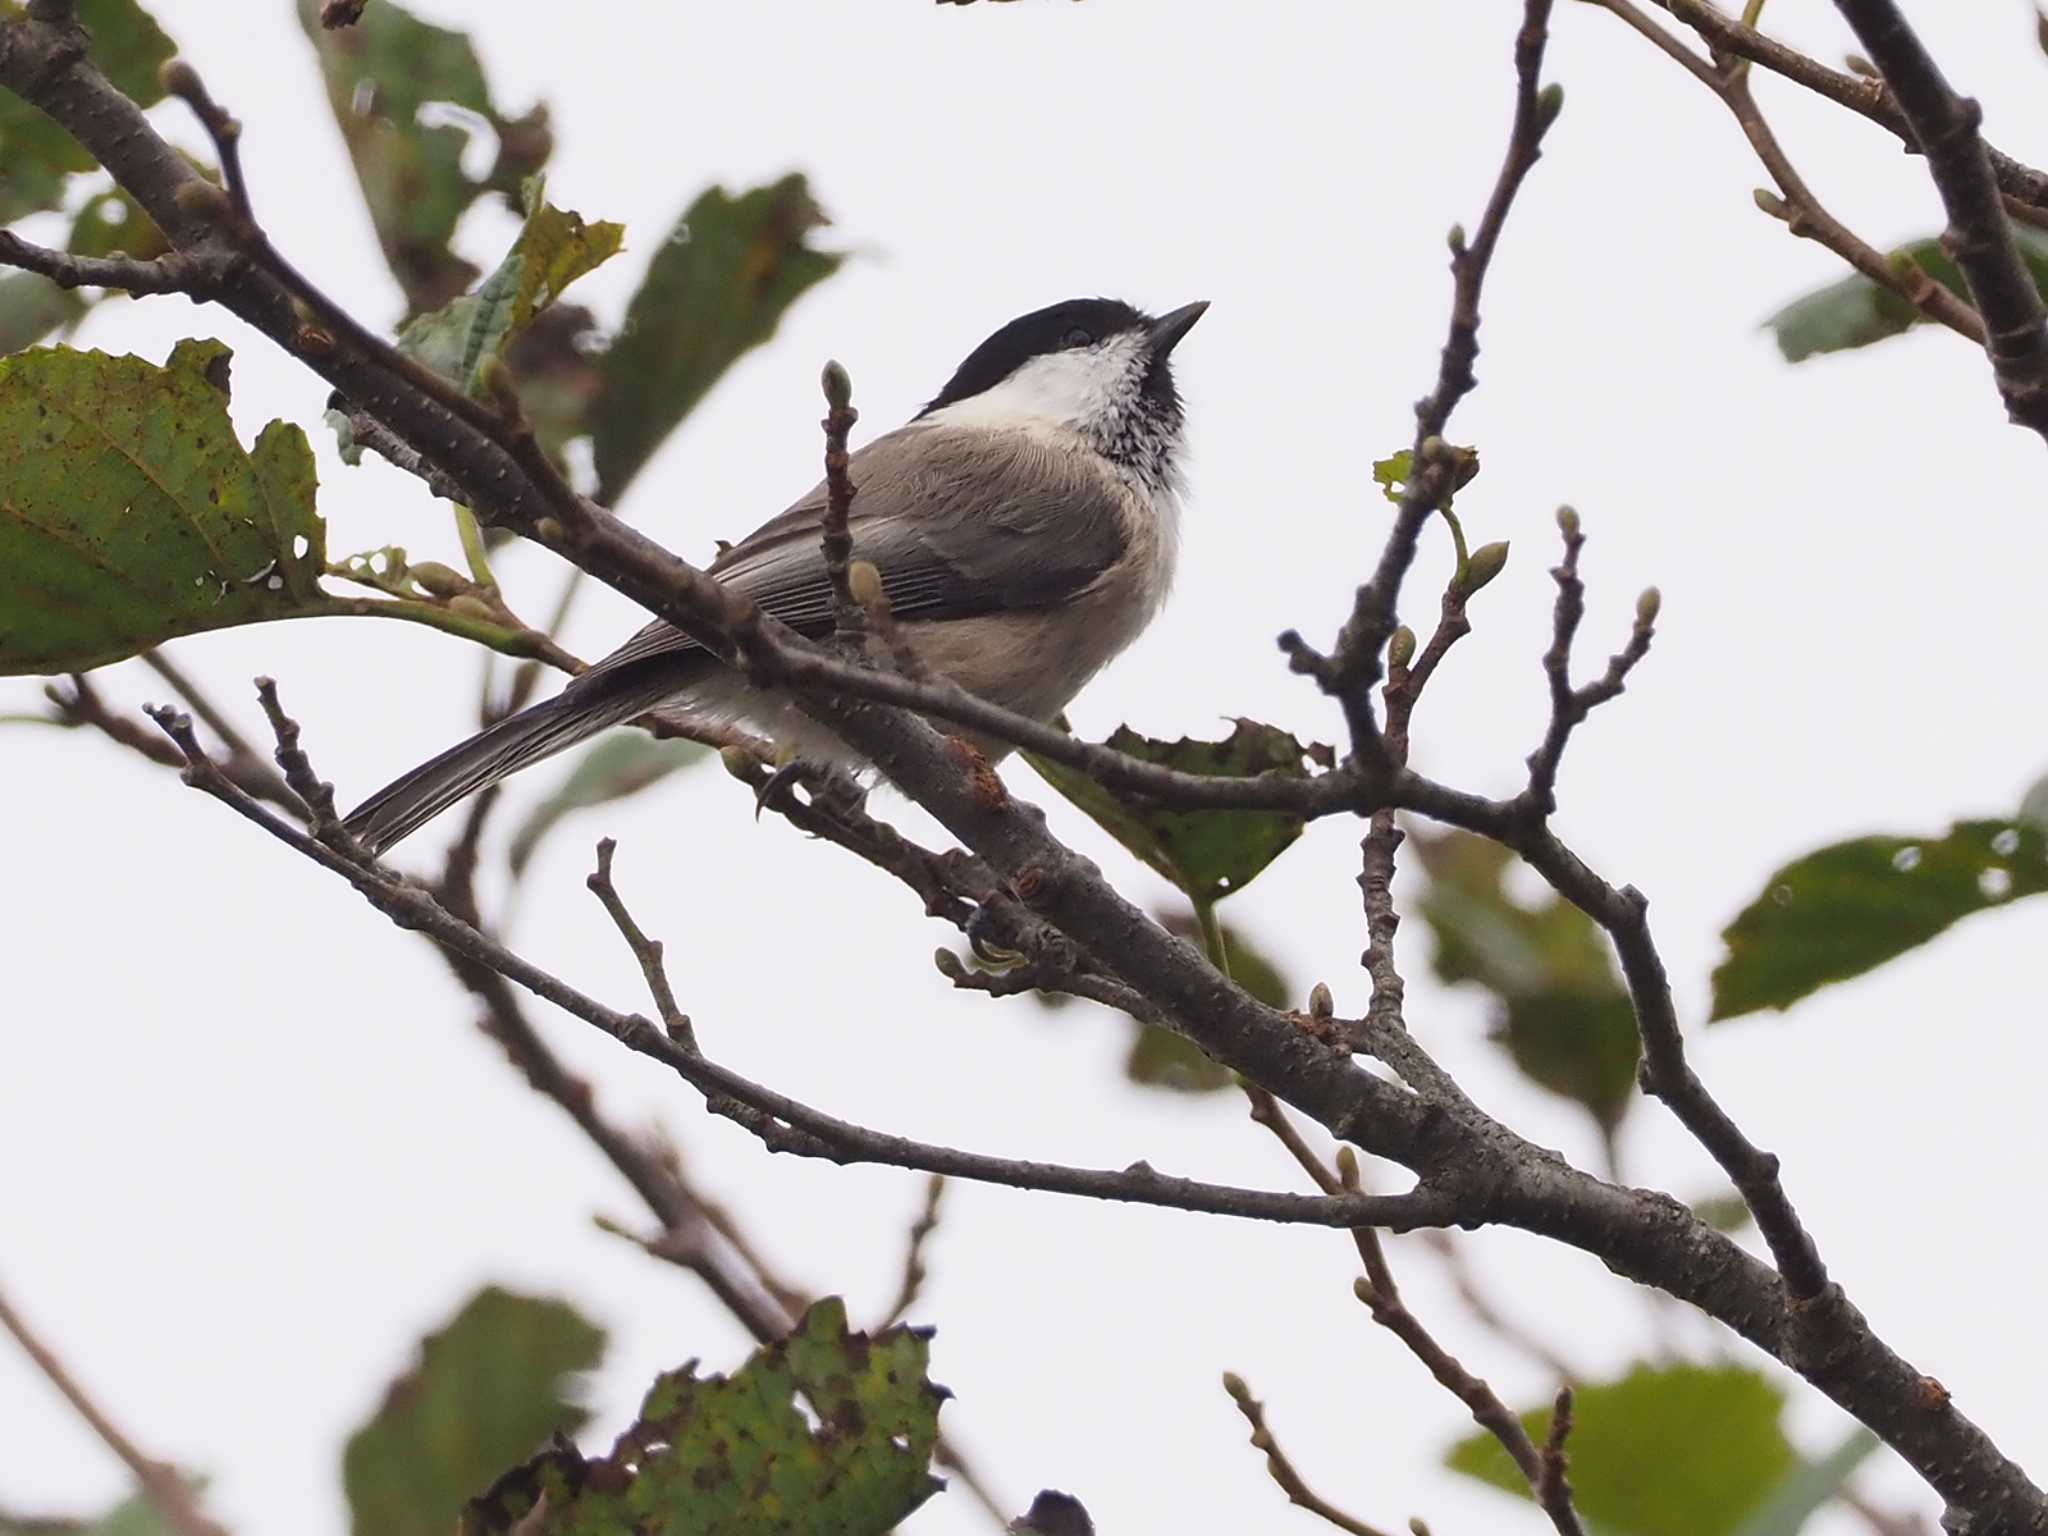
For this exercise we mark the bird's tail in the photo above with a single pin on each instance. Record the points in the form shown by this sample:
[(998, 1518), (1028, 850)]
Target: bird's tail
[(408, 803)]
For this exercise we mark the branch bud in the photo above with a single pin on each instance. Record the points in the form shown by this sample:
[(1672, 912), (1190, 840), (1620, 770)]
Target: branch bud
[(442, 581), (864, 582), (949, 965), (494, 375), (1485, 563), (1648, 606), (1772, 204), (1320, 1004), (1456, 239), (472, 608), (1549, 102), (838, 385), (1347, 1167), (1568, 522), (1400, 648), (179, 78), (1856, 64), (203, 200), (1234, 1385)]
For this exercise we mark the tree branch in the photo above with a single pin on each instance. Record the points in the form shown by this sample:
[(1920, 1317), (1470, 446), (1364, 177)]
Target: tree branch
[(1979, 236), (1282, 1470), (161, 1483)]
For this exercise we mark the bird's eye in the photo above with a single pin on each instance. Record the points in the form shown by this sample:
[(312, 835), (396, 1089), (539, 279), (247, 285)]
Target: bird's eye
[(1079, 337)]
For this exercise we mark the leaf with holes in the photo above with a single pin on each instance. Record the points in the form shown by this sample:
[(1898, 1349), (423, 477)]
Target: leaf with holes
[(36, 156), (408, 97), (130, 513), (1207, 854), (1856, 312), (738, 1455), (488, 1389), (1562, 1012), (1667, 1450), (1852, 906), (554, 248), (716, 288), (621, 764)]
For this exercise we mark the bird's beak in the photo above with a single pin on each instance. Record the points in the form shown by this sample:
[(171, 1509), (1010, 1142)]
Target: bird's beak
[(1167, 330)]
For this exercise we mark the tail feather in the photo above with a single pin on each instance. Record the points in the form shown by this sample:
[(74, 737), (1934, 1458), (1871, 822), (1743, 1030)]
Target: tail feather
[(409, 802)]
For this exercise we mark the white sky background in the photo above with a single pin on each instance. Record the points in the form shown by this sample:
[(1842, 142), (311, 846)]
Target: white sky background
[(255, 1147)]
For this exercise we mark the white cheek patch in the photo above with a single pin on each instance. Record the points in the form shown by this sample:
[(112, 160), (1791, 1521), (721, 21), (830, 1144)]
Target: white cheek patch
[(1071, 389)]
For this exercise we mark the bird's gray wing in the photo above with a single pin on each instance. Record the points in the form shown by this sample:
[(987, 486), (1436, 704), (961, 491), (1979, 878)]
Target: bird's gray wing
[(957, 523)]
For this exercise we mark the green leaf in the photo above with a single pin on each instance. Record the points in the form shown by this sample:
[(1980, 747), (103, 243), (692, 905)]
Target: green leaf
[(35, 154), (554, 248), (716, 288), (719, 1456), (620, 764), (1668, 1450), (132, 514), (1393, 473), (31, 307), (486, 1390), (1850, 907), (391, 79), (1808, 1486), (1207, 854), (1856, 311), (1563, 1014)]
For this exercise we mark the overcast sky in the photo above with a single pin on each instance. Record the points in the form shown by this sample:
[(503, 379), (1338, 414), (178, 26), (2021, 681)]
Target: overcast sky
[(255, 1146)]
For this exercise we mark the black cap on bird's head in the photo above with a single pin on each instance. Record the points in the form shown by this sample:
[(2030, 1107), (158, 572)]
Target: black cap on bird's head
[(1098, 365)]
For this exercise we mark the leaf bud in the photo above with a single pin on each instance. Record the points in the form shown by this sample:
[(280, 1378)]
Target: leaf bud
[(1549, 102), (1400, 648), (1485, 563), (865, 582), (1568, 522), (434, 577), (838, 385), (1648, 606)]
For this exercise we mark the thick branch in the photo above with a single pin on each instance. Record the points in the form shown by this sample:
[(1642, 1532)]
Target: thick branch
[(1979, 236)]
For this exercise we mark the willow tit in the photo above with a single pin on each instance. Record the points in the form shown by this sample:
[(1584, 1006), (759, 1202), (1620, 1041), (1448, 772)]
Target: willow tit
[(1024, 525)]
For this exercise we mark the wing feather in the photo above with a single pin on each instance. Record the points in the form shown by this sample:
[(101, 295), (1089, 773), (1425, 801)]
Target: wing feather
[(956, 522)]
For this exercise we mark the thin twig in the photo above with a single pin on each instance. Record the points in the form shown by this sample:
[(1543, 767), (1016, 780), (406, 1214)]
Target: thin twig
[(645, 950), (172, 272), (161, 1483), (913, 1251), (1282, 1470), (1355, 666), (1553, 1488), (789, 1125), (1795, 204), (1569, 706), (847, 618)]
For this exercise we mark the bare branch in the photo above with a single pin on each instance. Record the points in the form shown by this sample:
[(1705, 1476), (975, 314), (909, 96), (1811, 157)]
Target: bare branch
[(913, 1251), (1570, 706), (645, 950), (1355, 666), (786, 1124), (161, 1483), (1282, 1470), (839, 488), (1979, 236), (1796, 206), (172, 272), (1553, 1490)]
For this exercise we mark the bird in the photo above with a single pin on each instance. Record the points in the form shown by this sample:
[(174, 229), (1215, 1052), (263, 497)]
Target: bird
[(1024, 525)]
